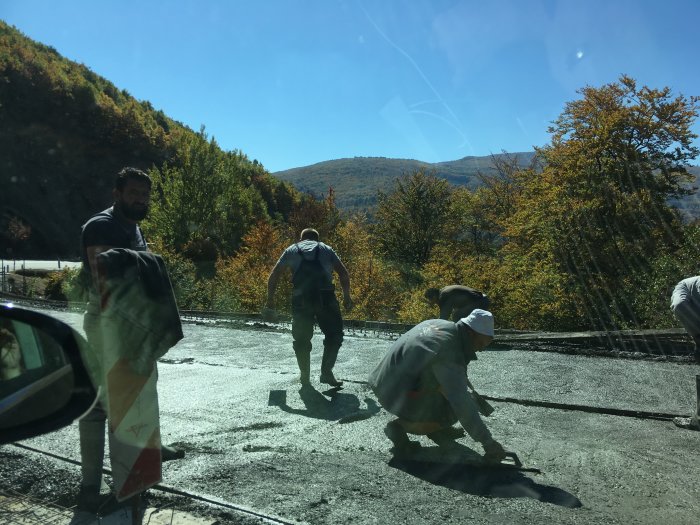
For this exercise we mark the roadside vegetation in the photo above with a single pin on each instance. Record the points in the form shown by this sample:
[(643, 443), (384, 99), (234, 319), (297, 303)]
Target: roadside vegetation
[(584, 237)]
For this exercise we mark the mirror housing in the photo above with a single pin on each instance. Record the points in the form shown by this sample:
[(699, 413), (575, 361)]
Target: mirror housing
[(56, 390)]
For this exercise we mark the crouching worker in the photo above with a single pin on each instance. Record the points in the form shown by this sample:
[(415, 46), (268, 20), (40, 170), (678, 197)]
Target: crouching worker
[(423, 381)]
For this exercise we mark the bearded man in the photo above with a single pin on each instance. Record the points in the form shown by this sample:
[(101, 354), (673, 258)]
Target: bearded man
[(115, 227)]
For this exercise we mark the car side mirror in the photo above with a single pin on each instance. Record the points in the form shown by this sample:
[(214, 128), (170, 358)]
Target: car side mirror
[(44, 385)]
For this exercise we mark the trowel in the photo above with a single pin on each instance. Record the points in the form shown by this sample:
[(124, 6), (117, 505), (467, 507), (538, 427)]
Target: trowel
[(510, 462)]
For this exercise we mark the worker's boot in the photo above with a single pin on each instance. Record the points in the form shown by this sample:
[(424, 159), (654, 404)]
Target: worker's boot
[(397, 435), (446, 436), (95, 501), (304, 362), (327, 364)]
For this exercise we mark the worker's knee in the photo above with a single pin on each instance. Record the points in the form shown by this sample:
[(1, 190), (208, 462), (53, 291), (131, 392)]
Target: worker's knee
[(686, 312), (96, 415), (301, 347), (333, 341)]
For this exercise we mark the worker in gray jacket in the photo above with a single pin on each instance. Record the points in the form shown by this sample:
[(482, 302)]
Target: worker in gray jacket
[(423, 381), (685, 304)]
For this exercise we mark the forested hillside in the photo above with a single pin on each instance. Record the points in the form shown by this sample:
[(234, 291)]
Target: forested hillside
[(65, 132), (356, 181)]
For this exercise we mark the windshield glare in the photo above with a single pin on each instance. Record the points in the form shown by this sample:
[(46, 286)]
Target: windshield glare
[(355, 261)]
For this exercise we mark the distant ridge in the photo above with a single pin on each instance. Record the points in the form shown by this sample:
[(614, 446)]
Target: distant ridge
[(356, 181)]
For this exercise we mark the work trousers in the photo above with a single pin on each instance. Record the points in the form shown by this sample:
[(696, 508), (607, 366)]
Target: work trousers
[(425, 403), (322, 308), (477, 302), (93, 425)]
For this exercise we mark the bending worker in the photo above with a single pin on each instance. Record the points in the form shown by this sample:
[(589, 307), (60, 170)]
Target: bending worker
[(423, 381), (313, 300), (685, 304), (456, 300)]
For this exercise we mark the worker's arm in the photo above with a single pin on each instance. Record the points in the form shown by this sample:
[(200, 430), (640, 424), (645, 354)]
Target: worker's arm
[(99, 235), (272, 285), (344, 278), (484, 406), (453, 383), (92, 253)]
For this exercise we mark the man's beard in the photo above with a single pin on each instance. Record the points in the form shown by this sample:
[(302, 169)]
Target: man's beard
[(133, 213)]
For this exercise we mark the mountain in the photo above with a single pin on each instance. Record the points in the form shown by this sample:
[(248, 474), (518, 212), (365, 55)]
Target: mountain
[(65, 131), (689, 205), (356, 181)]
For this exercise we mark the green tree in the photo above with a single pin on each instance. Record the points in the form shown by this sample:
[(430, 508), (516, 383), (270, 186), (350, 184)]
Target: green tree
[(412, 218), (471, 229), (204, 196)]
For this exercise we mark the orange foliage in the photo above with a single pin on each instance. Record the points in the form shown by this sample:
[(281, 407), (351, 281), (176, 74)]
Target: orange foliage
[(374, 285), (244, 276)]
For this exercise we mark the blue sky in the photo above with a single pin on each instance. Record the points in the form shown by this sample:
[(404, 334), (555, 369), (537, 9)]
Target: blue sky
[(293, 82)]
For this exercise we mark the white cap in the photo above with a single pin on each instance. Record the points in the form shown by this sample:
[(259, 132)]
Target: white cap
[(480, 321)]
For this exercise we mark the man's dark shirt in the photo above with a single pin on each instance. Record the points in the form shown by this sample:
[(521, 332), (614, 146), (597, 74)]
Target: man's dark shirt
[(109, 228)]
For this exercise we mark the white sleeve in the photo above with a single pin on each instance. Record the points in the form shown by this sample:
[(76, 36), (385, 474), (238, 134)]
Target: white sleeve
[(453, 380)]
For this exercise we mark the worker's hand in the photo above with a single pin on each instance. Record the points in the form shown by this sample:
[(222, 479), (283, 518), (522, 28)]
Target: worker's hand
[(269, 315), (494, 451), (347, 303)]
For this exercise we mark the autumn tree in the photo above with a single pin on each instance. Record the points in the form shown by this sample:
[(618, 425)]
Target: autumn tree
[(597, 213), (311, 212), (241, 280), (375, 285)]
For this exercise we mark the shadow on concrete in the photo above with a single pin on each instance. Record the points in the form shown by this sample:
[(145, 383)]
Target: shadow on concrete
[(456, 469), (341, 407)]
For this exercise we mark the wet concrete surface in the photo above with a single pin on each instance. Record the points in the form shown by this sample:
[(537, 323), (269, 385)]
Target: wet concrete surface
[(231, 399)]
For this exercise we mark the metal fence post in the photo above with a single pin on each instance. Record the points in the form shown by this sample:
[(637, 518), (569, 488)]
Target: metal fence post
[(696, 417), (692, 422)]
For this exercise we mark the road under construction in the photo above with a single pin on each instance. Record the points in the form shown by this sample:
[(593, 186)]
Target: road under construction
[(592, 412)]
